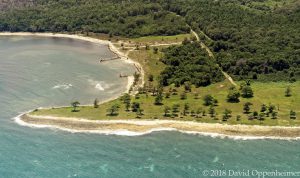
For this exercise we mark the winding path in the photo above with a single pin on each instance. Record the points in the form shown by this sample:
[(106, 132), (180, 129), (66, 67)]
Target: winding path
[(210, 54)]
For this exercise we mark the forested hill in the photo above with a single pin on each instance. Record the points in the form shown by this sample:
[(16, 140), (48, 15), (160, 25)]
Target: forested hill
[(123, 18), (256, 39)]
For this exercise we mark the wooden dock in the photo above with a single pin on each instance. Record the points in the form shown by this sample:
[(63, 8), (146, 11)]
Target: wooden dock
[(123, 76), (109, 59)]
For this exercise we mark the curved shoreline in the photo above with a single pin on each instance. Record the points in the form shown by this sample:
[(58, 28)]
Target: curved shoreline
[(142, 127), (110, 45)]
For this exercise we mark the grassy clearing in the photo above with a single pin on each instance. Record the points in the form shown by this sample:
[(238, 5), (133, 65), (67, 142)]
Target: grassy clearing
[(161, 39), (264, 93), (149, 61)]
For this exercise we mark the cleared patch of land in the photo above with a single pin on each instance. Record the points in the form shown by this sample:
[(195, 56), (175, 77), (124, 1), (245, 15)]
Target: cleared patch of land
[(161, 39)]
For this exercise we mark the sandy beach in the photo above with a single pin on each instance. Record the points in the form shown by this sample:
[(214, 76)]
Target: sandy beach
[(137, 127)]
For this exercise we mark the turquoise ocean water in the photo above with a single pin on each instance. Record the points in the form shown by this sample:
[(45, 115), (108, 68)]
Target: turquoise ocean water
[(46, 72)]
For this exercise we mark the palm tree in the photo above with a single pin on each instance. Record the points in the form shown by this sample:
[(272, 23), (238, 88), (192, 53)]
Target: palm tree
[(75, 104), (96, 103), (113, 110), (167, 110)]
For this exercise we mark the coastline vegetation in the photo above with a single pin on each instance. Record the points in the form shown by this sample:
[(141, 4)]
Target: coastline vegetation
[(268, 106), (182, 80), (250, 103)]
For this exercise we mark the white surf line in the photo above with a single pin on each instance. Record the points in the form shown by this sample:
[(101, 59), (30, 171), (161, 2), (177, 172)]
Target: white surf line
[(153, 122), (125, 132)]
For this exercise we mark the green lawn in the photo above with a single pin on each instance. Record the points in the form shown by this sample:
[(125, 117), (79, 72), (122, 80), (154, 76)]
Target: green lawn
[(161, 39), (149, 61), (264, 93)]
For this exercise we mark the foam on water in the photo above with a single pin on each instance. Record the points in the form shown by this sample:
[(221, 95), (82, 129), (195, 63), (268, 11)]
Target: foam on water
[(124, 132), (63, 86), (33, 153)]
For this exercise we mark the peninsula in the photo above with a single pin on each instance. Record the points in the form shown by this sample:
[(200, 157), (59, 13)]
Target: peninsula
[(193, 74)]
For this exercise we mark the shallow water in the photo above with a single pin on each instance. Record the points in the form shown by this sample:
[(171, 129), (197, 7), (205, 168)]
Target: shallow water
[(38, 72)]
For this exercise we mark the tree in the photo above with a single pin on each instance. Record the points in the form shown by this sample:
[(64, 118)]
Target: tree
[(150, 78), (227, 114), (208, 100), (192, 113), (137, 96), (147, 47), (139, 112), (246, 107), (238, 117), (198, 112), (274, 115), (261, 116), (293, 114), (247, 91), (141, 90), (137, 47), (233, 96), (271, 108), (263, 108), (168, 94), (111, 35), (113, 110), (212, 111), (186, 109), (186, 41), (155, 50), (135, 106), (187, 86), (75, 104), (255, 114), (175, 109), (203, 112), (154, 91), (288, 92), (215, 102), (158, 99), (127, 101), (167, 111), (183, 96), (96, 103), (136, 76)]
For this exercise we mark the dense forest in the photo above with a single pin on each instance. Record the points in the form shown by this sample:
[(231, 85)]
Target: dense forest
[(8, 4), (121, 18), (256, 39), (189, 63)]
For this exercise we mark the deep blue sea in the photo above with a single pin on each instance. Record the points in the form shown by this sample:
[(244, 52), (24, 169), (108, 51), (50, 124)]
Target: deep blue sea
[(46, 72)]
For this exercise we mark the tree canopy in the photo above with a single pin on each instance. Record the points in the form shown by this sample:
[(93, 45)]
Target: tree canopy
[(189, 63)]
